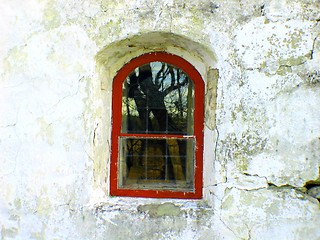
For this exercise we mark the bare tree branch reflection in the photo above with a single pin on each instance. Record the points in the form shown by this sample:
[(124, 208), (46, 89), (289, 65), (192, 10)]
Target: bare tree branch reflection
[(160, 95)]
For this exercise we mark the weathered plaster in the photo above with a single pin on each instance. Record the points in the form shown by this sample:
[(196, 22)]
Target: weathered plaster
[(270, 209), (260, 63)]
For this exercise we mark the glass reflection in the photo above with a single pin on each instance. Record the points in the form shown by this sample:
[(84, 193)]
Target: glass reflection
[(144, 162), (157, 98)]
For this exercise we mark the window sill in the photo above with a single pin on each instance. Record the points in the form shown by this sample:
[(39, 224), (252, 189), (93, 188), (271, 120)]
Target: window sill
[(152, 207)]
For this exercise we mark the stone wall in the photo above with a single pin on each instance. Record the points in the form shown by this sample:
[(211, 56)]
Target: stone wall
[(260, 60)]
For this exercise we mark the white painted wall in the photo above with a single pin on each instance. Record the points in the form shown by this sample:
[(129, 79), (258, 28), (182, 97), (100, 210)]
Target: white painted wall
[(262, 136)]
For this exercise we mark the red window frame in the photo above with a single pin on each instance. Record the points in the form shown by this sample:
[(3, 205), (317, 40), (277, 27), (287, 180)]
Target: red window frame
[(120, 77)]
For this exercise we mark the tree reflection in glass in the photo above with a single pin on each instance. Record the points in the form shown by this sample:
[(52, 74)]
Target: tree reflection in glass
[(158, 99)]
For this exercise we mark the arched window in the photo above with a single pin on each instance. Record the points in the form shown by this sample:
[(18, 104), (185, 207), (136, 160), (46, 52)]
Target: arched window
[(157, 128)]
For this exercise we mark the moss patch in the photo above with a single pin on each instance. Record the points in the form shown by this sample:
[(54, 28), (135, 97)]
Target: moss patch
[(240, 149), (51, 16), (160, 210)]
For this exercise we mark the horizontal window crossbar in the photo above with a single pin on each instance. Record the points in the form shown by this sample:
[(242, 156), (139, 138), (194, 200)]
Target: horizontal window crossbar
[(160, 136), (158, 156)]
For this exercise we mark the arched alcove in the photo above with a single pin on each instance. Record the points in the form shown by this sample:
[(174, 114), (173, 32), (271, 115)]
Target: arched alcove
[(114, 56)]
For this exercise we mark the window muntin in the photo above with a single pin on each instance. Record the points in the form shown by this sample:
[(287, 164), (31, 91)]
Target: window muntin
[(157, 97), (157, 133), (149, 163)]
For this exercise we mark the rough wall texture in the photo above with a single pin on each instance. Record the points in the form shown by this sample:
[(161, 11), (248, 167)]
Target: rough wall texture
[(260, 60)]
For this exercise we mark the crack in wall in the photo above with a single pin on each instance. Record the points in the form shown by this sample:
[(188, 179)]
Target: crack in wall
[(220, 214), (96, 131), (302, 190), (313, 46), (95, 134), (216, 144), (68, 96), (9, 125), (313, 188), (225, 203), (249, 231), (262, 10)]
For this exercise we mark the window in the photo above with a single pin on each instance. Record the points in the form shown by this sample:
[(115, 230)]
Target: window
[(157, 128)]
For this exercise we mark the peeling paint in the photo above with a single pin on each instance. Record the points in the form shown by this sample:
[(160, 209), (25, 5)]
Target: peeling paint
[(260, 63)]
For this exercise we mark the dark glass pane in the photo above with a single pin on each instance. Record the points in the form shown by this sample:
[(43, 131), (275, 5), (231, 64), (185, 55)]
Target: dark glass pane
[(157, 98), (144, 162)]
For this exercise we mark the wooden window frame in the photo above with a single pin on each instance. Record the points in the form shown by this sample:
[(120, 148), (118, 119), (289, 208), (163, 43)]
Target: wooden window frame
[(120, 77)]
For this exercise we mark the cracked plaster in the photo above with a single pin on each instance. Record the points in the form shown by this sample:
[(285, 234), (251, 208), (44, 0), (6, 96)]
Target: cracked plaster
[(261, 65)]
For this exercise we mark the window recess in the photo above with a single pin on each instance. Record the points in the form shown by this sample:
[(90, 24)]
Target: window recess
[(157, 128)]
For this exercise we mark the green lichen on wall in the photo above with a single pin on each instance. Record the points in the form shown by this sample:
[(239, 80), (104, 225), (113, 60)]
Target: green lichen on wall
[(295, 39), (283, 70), (94, 127), (251, 208), (211, 98), (15, 60), (41, 234), (294, 61), (110, 28), (44, 207), (160, 210), (46, 130), (7, 233), (51, 16), (242, 112), (228, 201), (240, 149), (154, 220), (274, 54)]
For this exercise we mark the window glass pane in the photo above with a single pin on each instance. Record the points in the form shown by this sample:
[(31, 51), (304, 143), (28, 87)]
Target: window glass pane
[(157, 98), (156, 163)]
